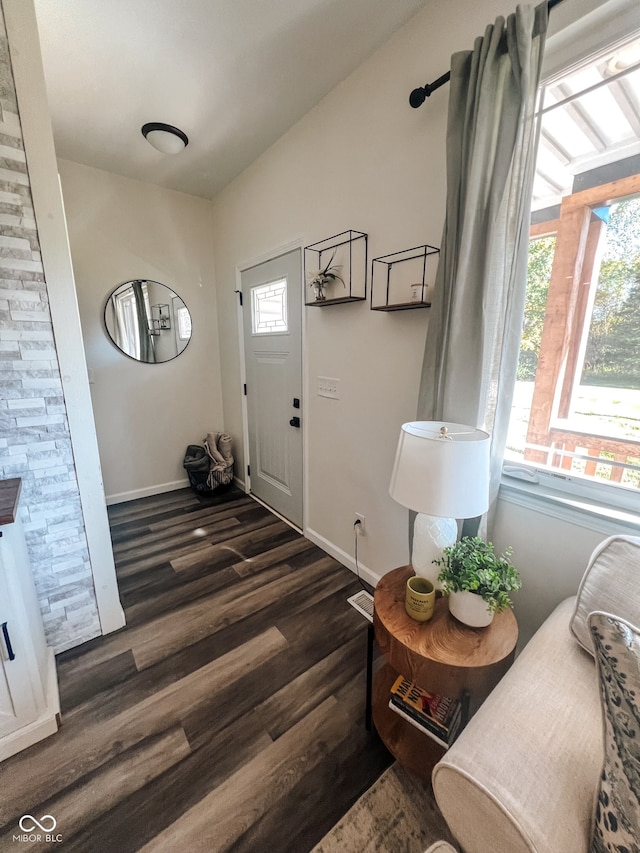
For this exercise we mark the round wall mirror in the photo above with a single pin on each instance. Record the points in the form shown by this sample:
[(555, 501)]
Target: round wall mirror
[(147, 321)]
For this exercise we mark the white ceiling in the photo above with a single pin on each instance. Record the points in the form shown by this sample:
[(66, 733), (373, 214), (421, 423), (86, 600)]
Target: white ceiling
[(234, 75)]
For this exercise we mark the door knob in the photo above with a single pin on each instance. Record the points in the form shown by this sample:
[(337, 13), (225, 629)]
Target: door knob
[(295, 422)]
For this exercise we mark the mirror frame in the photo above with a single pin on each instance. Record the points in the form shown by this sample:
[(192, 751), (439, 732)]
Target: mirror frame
[(158, 322)]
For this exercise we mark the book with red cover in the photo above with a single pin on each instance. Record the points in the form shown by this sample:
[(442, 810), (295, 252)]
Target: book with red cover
[(439, 708), (439, 715)]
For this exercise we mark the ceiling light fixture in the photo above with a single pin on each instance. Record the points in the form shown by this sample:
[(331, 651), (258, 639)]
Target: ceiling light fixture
[(625, 58), (165, 137)]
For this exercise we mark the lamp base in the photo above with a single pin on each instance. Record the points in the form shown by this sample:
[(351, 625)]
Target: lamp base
[(430, 535)]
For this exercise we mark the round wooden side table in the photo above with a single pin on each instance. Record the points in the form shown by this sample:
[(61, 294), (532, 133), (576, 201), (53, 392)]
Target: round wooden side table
[(442, 656)]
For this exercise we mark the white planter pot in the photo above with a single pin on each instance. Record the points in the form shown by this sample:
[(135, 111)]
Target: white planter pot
[(470, 608)]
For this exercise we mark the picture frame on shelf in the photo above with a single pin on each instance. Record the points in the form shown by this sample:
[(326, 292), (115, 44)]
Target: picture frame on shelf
[(403, 280)]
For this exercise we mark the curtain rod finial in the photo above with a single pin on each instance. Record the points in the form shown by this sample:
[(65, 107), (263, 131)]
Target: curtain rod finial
[(418, 97)]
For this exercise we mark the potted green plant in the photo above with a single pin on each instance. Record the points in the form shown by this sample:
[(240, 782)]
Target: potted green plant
[(477, 580), (319, 280)]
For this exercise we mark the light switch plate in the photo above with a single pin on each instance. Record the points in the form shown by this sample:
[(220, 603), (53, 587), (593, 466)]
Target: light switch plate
[(328, 387)]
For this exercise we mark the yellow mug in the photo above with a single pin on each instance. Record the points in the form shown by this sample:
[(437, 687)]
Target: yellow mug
[(420, 598)]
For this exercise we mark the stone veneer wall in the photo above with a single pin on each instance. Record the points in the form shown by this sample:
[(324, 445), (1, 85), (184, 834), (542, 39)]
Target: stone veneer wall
[(34, 434)]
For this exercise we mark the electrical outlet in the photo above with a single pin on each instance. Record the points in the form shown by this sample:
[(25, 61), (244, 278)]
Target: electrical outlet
[(360, 528), (328, 387)]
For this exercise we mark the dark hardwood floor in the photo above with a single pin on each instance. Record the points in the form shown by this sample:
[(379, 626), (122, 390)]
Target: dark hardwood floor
[(227, 716)]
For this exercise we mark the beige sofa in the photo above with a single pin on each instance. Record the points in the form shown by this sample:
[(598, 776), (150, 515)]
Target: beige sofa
[(522, 777)]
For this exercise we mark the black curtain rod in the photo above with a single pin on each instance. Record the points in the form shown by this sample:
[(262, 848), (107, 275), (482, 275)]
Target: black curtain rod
[(420, 95)]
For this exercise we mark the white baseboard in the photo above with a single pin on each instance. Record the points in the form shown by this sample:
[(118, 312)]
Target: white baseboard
[(240, 483), (341, 556), (116, 621), (121, 497)]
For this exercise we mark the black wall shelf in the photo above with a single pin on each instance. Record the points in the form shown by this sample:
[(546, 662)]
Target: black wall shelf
[(347, 254), (402, 281)]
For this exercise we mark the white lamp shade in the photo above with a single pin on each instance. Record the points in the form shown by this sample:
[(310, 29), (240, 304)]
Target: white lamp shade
[(446, 477)]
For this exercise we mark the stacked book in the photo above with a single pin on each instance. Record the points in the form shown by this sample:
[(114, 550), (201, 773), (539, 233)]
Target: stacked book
[(437, 716)]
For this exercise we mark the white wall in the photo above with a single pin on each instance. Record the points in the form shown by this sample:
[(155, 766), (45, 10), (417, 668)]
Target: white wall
[(146, 414), (363, 159), (551, 554)]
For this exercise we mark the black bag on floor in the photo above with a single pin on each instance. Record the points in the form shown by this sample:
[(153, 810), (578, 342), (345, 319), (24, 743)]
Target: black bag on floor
[(210, 468), (196, 464)]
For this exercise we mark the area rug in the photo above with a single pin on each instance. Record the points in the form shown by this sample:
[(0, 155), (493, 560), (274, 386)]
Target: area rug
[(398, 814)]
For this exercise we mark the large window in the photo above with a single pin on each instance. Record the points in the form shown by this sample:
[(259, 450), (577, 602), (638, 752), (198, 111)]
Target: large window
[(576, 411)]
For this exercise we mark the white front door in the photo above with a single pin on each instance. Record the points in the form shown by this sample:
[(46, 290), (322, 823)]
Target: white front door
[(272, 318)]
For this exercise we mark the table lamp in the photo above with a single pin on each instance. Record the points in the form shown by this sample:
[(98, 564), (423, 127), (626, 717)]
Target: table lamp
[(441, 471)]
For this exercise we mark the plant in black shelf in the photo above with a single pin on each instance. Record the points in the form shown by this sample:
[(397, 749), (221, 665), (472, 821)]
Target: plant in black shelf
[(470, 570), (319, 279)]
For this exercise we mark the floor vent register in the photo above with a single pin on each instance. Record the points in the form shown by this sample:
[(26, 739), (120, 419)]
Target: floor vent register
[(363, 603)]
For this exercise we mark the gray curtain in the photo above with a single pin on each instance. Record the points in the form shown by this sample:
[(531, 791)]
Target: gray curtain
[(471, 354), (147, 348)]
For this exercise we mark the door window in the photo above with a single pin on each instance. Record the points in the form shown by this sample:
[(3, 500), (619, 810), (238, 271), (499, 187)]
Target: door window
[(269, 308)]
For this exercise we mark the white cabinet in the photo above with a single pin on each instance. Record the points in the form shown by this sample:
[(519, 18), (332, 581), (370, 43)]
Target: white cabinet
[(29, 703), (17, 702)]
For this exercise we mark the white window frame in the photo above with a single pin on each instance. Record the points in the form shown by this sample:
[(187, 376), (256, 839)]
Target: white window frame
[(184, 326), (281, 330)]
